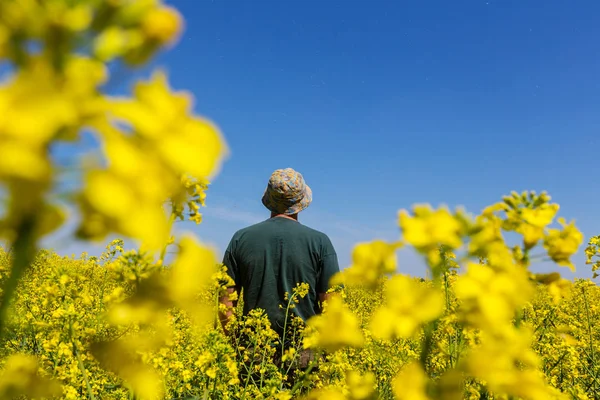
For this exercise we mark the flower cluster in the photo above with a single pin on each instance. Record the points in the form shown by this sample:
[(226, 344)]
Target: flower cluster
[(479, 312), (61, 59)]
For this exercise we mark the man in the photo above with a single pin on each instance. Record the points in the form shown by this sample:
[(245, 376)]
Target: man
[(268, 259)]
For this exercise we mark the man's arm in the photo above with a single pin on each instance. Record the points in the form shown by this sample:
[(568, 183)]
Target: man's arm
[(329, 267), (324, 297), (229, 301)]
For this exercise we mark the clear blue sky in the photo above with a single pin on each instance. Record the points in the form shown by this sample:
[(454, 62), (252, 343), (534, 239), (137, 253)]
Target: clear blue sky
[(383, 104)]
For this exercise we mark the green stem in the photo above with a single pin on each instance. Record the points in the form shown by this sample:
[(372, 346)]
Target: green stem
[(101, 299), (81, 366), (296, 355), (217, 320), (262, 365), (518, 318), (427, 344), (24, 254), (589, 326), (214, 388), (450, 344), (287, 310), (249, 370), (164, 249)]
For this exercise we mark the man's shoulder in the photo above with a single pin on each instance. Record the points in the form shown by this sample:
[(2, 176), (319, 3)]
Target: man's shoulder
[(315, 232), (249, 229), (318, 235)]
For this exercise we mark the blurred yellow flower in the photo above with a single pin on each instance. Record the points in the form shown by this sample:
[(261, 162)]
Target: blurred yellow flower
[(490, 298), (540, 216), (514, 369), (408, 304), (430, 228), (191, 274), (336, 328), (328, 393), (360, 386), (162, 24), (562, 244), (410, 383), (370, 261), (21, 377)]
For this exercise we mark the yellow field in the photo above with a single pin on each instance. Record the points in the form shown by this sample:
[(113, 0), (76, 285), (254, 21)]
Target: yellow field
[(60, 315), (126, 325)]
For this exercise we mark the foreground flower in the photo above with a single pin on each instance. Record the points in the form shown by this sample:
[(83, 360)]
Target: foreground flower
[(370, 261), (515, 367), (429, 228), (408, 305), (490, 297), (150, 142), (21, 378), (410, 383), (336, 328), (562, 244)]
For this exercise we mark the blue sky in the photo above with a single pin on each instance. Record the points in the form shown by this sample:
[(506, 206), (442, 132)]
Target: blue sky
[(383, 104)]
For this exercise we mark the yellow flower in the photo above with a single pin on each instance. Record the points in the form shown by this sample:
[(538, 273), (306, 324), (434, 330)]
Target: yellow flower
[(491, 297), (559, 289), (145, 167), (408, 305), (283, 396), (488, 241), (329, 393), (360, 386), (534, 222), (562, 244), (20, 378), (212, 372), (430, 228), (162, 24), (76, 18), (20, 161), (191, 274), (336, 328), (118, 356), (410, 383), (189, 145), (369, 262), (531, 234), (197, 218), (541, 216), (155, 110), (110, 203), (35, 106), (514, 369), (115, 41), (592, 254)]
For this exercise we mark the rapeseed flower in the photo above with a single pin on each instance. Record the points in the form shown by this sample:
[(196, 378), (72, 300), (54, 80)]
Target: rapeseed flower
[(370, 262), (562, 244), (335, 329), (429, 228), (408, 304)]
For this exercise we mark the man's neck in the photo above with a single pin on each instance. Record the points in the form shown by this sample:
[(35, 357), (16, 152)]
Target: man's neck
[(293, 217)]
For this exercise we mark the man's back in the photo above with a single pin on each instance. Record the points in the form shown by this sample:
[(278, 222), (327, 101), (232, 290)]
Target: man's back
[(268, 259)]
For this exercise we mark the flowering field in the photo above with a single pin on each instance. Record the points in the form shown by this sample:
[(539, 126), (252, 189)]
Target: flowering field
[(131, 325), (60, 325)]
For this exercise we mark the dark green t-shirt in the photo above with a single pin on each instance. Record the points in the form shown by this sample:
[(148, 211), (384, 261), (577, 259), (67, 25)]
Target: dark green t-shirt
[(269, 258)]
